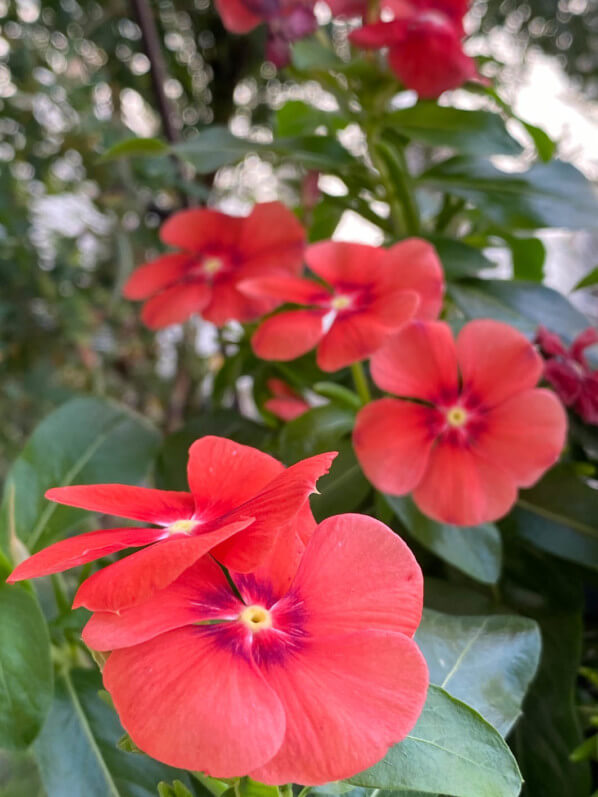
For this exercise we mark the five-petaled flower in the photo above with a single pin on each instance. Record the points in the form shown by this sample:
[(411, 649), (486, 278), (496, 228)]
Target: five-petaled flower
[(569, 373), (286, 403), (305, 676), (479, 430), (217, 252), (240, 499), (425, 47), (370, 292)]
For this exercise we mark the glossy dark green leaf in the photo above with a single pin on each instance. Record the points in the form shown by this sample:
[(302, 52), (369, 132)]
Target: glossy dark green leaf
[(551, 194), (524, 305), (458, 258), (314, 432), (77, 753), (85, 441), (171, 466), (135, 147), (19, 776), (590, 279), (560, 515), (470, 132), (451, 751), (528, 256), (475, 550), (344, 488), (26, 682), (487, 662)]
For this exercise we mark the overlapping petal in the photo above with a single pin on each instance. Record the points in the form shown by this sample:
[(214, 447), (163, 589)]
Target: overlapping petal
[(273, 238), (354, 336), (201, 229), (176, 304), (415, 266), (152, 277), (288, 335), (342, 262)]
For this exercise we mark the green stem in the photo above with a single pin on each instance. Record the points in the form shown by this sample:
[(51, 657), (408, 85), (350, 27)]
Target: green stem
[(396, 208), (304, 791), (399, 178), (286, 790), (361, 383)]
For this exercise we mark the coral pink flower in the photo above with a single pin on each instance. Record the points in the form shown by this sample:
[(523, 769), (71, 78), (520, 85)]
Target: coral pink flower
[(424, 41), (240, 499), (306, 684), (483, 431), (285, 403), (370, 293), (217, 252)]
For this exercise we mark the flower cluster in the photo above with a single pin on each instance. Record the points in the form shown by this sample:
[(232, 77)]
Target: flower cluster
[(224, 633), (569, 373), (469, 426), (424, 37)]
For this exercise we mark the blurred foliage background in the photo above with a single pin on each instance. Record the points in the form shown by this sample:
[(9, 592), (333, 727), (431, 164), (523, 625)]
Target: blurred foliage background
[(75, 78)]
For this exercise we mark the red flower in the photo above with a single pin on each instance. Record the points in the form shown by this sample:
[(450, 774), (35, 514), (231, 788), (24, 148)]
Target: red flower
[(483, 431), (217, 252), (370, 293), (285, 403), (240, 498), (306, 684), (569, 372), (424, 42)]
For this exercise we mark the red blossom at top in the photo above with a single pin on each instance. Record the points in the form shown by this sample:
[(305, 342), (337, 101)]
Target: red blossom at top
[(240, 499), (307, 683), (217, 252), (285, 403), (287, 21), (425, 47), (569, 372), (370, 292), (483, 431)]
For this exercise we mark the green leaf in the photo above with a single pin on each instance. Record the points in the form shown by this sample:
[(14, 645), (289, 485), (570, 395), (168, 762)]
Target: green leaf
[(251, 788), (135, 147), (217, 146), (560, 515), (451, 751), (85, 441), (314, 432), (487, 662), (458, 258), (19, 776), (171, 467), (545, 146), (528, 255), (470, 132), (76, 751), (475, 550), (25, 668), (524, 305), (590, 279), (297, 118), (344, 488), (310, 53), (551, 194)]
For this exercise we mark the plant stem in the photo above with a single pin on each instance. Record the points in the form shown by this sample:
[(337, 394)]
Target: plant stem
[(286, 790), (361, 383)]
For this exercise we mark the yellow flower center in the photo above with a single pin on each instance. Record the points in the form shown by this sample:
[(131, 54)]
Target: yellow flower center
[(456, 416), (212, 265), (182, 526), (256, 618), (340, 302)]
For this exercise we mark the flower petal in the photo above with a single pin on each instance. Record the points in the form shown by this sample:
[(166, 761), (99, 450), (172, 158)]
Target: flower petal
[(347, 699), (416, 267), (496, 361), (285, 288), (201, 593), (236, 16), (384, 592), (229, 304), (379, 34), (82, 548), (223, 474), (152, 277), (419, 361), (392, 440), (272, 238), (525, 435), (287, 409), (394, 308), (353, 337), (136, 577), (176, 304), (190, 701), (200, 229), (124, 500), (463, 488), (344, 262), (288, 335), (275, 508)]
